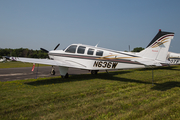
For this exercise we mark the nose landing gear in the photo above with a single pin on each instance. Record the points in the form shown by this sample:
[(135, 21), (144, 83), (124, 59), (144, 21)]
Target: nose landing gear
[(53, 71)]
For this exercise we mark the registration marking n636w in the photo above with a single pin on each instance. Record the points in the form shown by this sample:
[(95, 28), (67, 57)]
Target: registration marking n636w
[(105, 64)]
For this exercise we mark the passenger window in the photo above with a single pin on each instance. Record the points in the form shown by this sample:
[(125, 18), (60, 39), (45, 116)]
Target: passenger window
[(72, 49), (81, 49), (99, 53), (90, 51)]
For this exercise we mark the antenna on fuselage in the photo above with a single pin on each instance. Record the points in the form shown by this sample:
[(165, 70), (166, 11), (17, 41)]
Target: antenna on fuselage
[(97, 44)]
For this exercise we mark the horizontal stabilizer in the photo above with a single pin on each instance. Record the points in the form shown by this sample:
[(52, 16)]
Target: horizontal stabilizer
[(147, 62)]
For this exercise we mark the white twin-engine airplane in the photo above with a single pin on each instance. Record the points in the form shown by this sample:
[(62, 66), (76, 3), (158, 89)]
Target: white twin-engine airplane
[(94, 58)]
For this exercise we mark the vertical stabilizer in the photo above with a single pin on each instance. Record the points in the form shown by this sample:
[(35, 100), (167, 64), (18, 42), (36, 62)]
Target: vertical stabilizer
[(158, 47)]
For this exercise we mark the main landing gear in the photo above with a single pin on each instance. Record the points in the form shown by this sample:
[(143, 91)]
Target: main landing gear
[(66, 76), (94, 72)]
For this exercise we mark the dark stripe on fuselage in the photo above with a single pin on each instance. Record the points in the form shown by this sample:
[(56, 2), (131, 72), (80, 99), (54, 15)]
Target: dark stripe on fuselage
[(94, 58)]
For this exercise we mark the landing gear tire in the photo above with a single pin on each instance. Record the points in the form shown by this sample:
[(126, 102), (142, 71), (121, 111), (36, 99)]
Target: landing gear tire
[(53, 72), (94, 72), (66, 76)]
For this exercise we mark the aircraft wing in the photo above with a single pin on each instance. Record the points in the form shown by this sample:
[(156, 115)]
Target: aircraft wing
[(46, 62)]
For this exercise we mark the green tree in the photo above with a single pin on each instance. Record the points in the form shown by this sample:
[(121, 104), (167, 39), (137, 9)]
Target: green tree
[(137, 49), (23, 52)]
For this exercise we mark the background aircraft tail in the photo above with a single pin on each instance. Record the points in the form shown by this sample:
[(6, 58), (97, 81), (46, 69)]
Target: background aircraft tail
[(158, 47)]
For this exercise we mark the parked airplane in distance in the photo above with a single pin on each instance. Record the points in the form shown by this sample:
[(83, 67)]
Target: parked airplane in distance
[(3, 59), (174, 58), (94, 58)]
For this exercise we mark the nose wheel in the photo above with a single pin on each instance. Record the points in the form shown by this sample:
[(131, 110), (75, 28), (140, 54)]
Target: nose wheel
[(53, 71)]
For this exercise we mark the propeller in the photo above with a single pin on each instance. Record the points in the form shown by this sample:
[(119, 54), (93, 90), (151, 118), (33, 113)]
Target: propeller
[(56, 47), (47, 50), (44, 50)]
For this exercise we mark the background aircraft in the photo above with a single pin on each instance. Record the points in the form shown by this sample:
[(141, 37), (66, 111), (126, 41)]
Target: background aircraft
[(174, 58), (3, 59), (94, 58)]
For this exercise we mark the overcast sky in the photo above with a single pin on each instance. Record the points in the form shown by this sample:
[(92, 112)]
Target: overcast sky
[(114, 24)]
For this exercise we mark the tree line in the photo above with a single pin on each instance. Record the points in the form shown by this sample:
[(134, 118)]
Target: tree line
[(23, 52), (137, 49)]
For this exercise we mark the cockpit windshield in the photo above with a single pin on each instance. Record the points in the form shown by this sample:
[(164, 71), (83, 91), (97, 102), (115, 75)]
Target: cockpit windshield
[(71, 49)]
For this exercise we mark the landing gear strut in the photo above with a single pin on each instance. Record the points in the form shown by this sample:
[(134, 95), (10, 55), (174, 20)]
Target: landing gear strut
[(94, 72)]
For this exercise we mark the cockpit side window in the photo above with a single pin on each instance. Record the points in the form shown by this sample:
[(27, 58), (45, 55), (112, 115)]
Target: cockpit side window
[(72, 49), (81, 49), (99, 53), (90, 51)]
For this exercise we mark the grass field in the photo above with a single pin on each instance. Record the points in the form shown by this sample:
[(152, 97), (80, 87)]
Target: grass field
[(15, 64), (125, 94)]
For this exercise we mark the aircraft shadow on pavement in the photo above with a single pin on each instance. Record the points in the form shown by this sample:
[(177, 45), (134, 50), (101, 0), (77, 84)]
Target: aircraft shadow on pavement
[(106, 76)]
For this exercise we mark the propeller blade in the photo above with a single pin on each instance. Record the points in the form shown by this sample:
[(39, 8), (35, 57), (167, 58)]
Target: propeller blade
[(56, 47), (44, 50)]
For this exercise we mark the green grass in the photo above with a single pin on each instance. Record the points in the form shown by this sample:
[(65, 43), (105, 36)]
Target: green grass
[(125, 94), (14, 64)]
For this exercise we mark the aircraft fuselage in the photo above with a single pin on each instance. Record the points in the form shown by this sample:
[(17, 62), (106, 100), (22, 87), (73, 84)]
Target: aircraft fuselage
[(95, 58)]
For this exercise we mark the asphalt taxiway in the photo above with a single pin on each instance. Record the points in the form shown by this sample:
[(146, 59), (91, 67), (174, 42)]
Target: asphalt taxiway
[(10, 74)]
